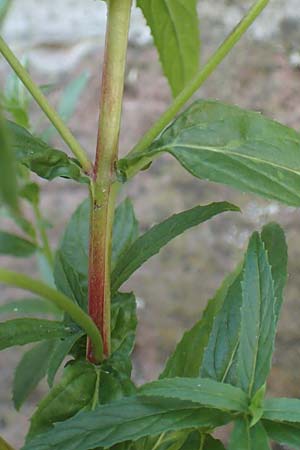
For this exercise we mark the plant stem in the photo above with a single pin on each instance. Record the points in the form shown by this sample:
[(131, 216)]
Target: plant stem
[(50, 112), (198, 80), (4, 445), (63, 302), (104, 186)]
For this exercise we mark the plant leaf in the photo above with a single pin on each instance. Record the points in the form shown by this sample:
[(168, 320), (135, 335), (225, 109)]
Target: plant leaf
[(245, 438), (225, 144), (30, 371), (258, 321), (24, 331), (3, 444), (283, 432), (274, 241), (159, 235), (74, 393), (175, 29), (11, 244), (123, 322), (282, 409), (4, 7), (29, 306), (212, 444), (187, 358), (45, 161), (8, 172), (128, 419), (206, 392), (60, 351)]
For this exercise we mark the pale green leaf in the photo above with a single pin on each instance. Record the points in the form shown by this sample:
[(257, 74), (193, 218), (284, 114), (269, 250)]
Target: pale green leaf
[(11, 244), (225, 144), (175, 29), (282, 409), (29, 306), (245, 438), (159, 235)]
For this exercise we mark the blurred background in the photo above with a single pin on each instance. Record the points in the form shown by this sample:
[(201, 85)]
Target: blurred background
[(62, 41)]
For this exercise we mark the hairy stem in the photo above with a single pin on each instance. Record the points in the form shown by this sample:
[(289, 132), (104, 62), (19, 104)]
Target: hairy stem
[(43, 103), (61, 301), (197, 82), (104, 186)]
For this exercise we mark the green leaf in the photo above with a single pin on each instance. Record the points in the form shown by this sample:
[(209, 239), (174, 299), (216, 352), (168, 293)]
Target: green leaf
[(3, 444), (220, 353), (258, 321), (10, 244), (282, 409), (175, 29), (115, 382), (274, 241), (24, 331), (125, 230), (187, 358), (16, 99), (45, 161), (212, 444), (225, 144), (123, 322), (158, 236), (128, 419), (245, 438), (4, 6), (69, 101), (74, 393), (8, 172), (256, 408), (285, 433), (206, 392), (61, 350), (31, 192), (30, 371), (29, 306)]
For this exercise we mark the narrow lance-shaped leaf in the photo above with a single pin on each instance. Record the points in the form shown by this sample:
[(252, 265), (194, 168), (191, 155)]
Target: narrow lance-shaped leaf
[(8, 173), (187, 358), (282, 409), (175, 29), (39, 157), (29, 306), (228, 145), (158, 236), (24, 331), (287, 433), (11, 244), (31, 370), (128, 419), (74, 393), (258, 322), (245, 438), (199, 390)]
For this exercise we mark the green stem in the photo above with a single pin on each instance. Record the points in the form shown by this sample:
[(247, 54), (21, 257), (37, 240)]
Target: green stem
[(159, 441), (43, 103), (61, 301), (4, 445), (104, 186), (195, 84), (43, 235)]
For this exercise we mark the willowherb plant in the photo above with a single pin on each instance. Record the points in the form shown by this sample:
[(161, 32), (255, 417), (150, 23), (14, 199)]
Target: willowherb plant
[(218, 371)]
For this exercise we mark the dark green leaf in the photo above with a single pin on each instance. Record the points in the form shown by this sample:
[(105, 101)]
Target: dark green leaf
[(8, 172), (258, 321), (245, 438), (158, 236), (187, 358), (29, 306), (24, 331), (123, 322), (206, 392), (228, 145), (285, 433), (175, 29), (10, 244), (273, 238), (30, 371), (212, 444), (115, 379), (125, 230), (128, 419), (220, 353), (74, 393), (282, 409), (60, 351), (45, 161)]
